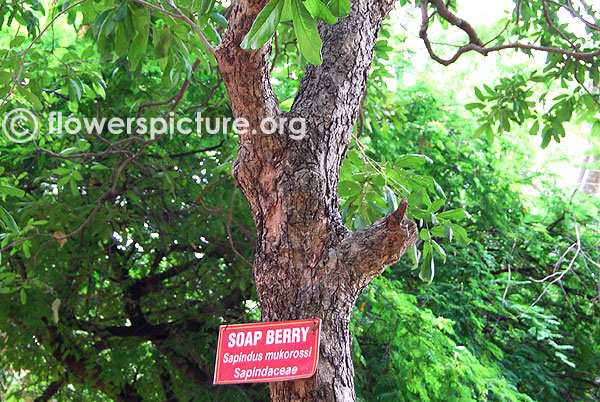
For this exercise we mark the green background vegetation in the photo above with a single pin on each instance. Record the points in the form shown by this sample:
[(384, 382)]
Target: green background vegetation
[(129, 305)]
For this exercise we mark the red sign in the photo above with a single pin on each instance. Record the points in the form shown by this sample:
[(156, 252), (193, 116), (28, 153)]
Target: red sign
[(268, 351)]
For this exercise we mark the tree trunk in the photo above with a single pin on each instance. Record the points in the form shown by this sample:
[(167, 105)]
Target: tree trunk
[(307, 263), (590, 176)]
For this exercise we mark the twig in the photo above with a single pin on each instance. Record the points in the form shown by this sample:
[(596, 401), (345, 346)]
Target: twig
[(197, 151), (553, 26), (509, 273), (210, 95), (577, 246), (475, 43), (195, 27), (179, 16), (157, 8), (276, 44), (199, 201), (519, 5), (575, 14)]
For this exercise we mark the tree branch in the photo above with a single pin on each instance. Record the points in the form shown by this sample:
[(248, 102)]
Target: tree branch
[(246, 74), (154, 283), (83, 367), (575, 14), (553, 25), (52, 389), (475, 43), (370, 250)]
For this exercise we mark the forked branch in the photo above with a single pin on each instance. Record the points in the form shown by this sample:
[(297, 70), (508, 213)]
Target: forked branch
[(370, 250), (475, 43)]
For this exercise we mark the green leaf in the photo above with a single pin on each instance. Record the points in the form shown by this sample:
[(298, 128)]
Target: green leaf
[(319, 10), (264, 26), (474, 105), (138, 47), (596, 129), (109, 27), (339, 8), (485, 128), (23, 296), (349, 188), (219, 18), (99, 23), (73, 186), (535, 128), (391, 201), (89, 14), (162, 46), (377, 208), (546, 136), (412, 253), (77, 176), (427, 271), (305, 27), (438, 231), (121, 40), (205, 7), (558, 128), (360, 222), (18, 41), (31, 98), (7, 218), (460, 232), (121, 12), (439, 249), (286, 12), (410, 161), (5, 77), (15, 192), (479, 94), (456, 214), (565, 112), (76, 88), (436, 205)]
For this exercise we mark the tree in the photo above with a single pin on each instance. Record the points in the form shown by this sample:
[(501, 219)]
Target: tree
[(307, 263)]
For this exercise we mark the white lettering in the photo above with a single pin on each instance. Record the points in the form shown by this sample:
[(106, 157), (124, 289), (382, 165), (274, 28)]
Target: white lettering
[(231, 342), (270, 337), (304, 333)]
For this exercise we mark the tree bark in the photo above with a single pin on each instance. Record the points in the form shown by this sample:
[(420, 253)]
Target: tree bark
[(307, 263)]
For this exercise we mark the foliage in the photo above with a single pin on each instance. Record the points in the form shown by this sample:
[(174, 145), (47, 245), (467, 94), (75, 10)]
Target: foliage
[(117, 272), (521, 351)]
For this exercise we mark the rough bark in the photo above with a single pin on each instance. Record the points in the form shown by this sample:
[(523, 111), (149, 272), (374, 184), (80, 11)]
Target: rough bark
[(307, 263)]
